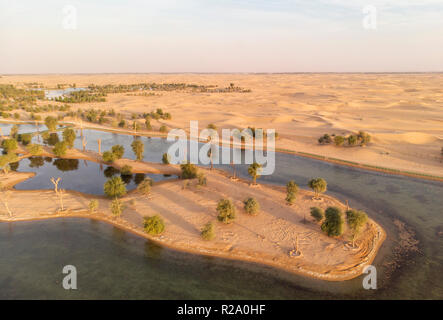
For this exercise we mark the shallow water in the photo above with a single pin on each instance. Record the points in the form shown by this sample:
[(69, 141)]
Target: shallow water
[(78, 175), (418, 203)]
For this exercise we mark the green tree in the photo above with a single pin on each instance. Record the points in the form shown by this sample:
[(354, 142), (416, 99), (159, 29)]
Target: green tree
[(352, 140), (339, 141), (138, 148), (60, 149), (166, 158), (14, 132), (252, 207), (93, 206), (208, 231), (25, 138), (6, 160), (226, 211), (364, 138), (126, 170), (69, 137), (318, 185), (291, 191), (163, 129), (333, 223), (144, 187), (117, 208), (118, 151), (317, 214), (254, 170), (148, 124), (356, 220), (189, 171), (35, 149), (108, 156), (51, 123), (153, 225), (9, 145), (115, 187)]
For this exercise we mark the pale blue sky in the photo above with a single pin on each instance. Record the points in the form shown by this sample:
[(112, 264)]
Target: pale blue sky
[(220, 36)]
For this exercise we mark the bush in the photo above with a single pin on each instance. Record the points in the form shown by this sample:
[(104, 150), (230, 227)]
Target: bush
[(166, 158), (6, 160), (201, 179), (352, 140), (115, 187), (69, 137), (163, 129), (122, 123), (326, 138), (317, 214), (35, 149), (208, 231), (60, 149), (189, 171), (148, 124), (154, 225), (116, 208), (118, 151), (145, 187), (333, 224), (51, 123), (339, 140), (138, 148), (108, 156), (292, 187), (251, 206), (9, 145), (126, 170), (93, 206), (212, 126), (25, 138), (226, 211), (363, 137)]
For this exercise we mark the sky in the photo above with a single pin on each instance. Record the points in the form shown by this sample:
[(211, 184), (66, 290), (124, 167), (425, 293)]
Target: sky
[(113, 36)]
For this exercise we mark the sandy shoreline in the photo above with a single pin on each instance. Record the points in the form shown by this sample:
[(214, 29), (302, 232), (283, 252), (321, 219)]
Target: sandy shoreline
[(266, 238)]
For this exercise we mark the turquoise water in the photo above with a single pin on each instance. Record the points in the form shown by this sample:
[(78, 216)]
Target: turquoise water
[(386, 198)]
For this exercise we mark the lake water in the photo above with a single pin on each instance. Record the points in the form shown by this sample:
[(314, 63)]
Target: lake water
[(386, 198)]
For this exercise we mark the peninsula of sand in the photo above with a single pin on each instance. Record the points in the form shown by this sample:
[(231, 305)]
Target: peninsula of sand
[(271, 237)]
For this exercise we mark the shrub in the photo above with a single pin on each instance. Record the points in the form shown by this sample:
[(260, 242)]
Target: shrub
[(226, 211), (290, 197), (148, 124), (118, 151), (166, 158), (25, 138), (339, 140), (14, 132), (108, 156), (60, 148), (145, 187), (317, 214), (126, 170), (363, 137), (16, 116), (208, 231), (292, 187), (326, 138), (138, 148), (153, 225), (352, 140), (93, 206), (251, 206), (35, 149), (202, 179), (9, 145), (189, 171), (122, 123), (6, 160), (318, 185), (163, 129), (115, 187), (51, 123), (333, 223), (116, 208), (254, 171)]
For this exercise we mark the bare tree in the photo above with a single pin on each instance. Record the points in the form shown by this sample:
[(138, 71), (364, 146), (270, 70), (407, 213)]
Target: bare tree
[(59, 192), (4, 198), (84, 143)]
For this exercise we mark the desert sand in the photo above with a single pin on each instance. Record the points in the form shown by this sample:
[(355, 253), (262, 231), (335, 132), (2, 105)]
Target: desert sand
[(266, 238), (402, 112)]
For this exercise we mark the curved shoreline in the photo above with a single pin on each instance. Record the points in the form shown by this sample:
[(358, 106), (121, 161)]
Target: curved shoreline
[(318, 157), (277, 258)]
